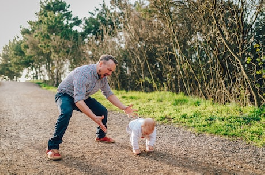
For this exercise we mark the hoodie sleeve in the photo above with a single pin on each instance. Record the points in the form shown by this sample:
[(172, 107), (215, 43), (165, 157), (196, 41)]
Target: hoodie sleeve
[(152, 139)]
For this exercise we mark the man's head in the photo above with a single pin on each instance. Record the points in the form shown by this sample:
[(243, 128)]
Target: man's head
[(148, 126), (106, 65)]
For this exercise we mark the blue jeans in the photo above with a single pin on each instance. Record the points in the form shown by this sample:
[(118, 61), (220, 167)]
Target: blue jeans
[(66, 106)]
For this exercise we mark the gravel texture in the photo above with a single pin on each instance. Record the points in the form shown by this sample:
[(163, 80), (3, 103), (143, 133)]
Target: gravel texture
[(27, 117)]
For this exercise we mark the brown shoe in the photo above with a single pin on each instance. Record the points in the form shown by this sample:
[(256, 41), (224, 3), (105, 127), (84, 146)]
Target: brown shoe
[(53, 154), (105, 139)]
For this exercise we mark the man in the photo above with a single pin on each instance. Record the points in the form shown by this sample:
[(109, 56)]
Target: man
[(74, 93)]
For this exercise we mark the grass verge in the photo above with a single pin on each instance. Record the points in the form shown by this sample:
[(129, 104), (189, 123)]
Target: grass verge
[(202, 116)]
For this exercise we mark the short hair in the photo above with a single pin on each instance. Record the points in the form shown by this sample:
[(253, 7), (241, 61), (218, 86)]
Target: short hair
[(149, 124), (107, 58)]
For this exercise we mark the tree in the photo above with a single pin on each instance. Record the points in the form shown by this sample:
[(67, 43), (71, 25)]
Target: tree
[(10, 66), (240, 34), (56, 38)]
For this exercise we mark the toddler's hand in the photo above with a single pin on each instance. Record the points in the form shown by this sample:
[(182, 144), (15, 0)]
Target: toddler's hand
[(136, 151), (149, 148)]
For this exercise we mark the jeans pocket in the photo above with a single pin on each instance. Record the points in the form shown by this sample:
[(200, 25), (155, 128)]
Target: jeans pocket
[(57, 96)]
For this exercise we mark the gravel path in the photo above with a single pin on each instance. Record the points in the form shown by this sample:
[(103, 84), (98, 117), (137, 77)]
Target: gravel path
[(27, 117)]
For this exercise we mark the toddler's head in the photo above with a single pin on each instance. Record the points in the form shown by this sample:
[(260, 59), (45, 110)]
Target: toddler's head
[(148, 126)]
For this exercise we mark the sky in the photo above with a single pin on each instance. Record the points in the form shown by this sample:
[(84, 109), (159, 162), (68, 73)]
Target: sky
[(16, 13)]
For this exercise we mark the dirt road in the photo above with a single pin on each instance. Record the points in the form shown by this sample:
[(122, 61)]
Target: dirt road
[(27, 118)]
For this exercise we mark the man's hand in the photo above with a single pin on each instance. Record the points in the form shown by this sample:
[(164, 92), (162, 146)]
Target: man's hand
[(98, 120), (130, 111), (85, 109)]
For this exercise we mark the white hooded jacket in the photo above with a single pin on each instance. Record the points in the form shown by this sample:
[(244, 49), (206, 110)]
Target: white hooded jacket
[(135, 130)]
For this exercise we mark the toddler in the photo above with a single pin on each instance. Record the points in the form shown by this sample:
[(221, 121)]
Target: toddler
[(142, 128)]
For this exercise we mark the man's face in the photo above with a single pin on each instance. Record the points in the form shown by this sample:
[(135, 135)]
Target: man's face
[(106, 69)]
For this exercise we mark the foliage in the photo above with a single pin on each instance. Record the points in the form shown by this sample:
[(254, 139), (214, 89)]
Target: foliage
[(13, 60), (210, 49)]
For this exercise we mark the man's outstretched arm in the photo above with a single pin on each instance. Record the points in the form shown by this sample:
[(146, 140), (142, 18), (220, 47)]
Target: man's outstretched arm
[(85, 109)]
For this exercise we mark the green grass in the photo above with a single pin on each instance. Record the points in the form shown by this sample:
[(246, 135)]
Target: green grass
[(201, 116), (44, 86)]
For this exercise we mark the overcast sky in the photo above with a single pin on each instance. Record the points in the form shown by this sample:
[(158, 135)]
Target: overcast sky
[(16, 13)]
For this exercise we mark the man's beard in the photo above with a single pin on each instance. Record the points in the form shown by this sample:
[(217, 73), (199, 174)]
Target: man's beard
[(100, 76)]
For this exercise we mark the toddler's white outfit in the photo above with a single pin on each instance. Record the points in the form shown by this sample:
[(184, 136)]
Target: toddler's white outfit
[(135, 130)]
